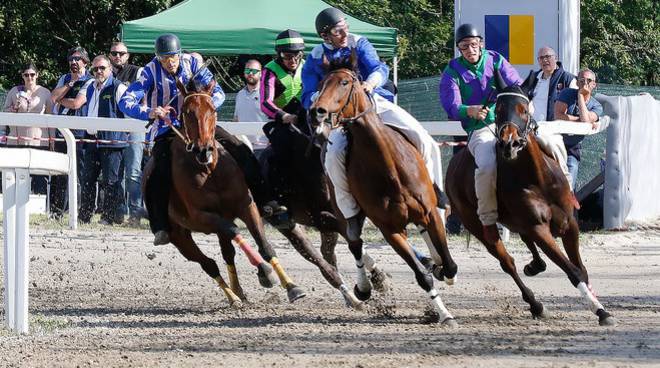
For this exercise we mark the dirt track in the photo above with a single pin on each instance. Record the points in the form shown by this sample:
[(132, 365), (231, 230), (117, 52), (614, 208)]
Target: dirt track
[(105, 297)]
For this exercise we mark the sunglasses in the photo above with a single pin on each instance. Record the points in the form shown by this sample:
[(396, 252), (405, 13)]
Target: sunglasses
[(99, 68), (291, 57), (471, 45), (585, 80), (118, 53), (26, 75), (168, 57), (251, 71), (74, 58), (544, 57), (339, 30)]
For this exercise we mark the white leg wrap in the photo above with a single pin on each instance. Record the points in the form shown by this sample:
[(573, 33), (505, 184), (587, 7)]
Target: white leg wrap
[(593, 303), (427, 239), (363, 282), (437, 304), (369, 262)]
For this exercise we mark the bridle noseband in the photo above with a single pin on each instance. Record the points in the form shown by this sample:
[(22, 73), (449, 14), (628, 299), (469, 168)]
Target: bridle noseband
[(341, 121), (190, 145), (530, 124)]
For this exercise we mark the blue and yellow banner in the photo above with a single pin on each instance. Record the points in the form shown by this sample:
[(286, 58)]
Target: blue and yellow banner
[(512, 36)]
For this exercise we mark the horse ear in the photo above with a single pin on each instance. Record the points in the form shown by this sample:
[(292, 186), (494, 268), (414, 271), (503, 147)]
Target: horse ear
[(209, 88), (353, 59), (182, 89), (527, 84), (500, 85)]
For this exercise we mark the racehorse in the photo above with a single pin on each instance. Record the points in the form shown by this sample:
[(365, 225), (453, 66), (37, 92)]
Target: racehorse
[(533, 199), (304, 189), (386, 175), (208, 193)]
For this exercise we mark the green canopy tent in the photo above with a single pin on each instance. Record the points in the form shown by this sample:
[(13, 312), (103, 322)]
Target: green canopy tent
[(230, 27)]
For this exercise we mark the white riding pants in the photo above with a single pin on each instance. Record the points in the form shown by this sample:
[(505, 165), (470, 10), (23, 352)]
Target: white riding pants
[(393, 115)]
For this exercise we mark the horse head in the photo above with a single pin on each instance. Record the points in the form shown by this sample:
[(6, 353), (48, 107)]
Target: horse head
[(513, 118), (198, 117), (341, 100)]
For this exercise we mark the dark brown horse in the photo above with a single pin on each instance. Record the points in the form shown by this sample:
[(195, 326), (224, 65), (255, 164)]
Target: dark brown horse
[(306, 194), (533, 199), (208, 193), (386, 175)]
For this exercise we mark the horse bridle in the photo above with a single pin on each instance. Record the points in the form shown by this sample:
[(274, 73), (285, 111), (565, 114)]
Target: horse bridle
[(190, 145), (343, 121), (530, 124)]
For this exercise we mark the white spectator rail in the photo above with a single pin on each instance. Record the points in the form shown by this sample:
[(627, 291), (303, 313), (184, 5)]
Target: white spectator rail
[(18, 163)]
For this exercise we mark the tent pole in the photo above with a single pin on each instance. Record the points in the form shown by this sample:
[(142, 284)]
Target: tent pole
[(395, 61)]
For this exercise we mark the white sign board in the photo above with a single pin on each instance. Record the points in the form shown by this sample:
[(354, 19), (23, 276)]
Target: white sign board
[(518, 28)]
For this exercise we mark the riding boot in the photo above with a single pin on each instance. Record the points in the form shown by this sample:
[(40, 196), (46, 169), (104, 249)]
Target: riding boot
[(157, 190), (443, 200), (491, 234), (262, 195), (354, 227)]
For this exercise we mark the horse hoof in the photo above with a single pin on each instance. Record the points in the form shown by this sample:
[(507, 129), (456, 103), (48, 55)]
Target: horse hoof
[(265, 275), (450, 323), (380, 281), (543, 314), (363, 296), (534, 268), (235, 304), (605, 319), (294, 293)]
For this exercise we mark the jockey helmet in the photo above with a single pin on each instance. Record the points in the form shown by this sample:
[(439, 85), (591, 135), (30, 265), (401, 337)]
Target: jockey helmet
[(168, 44), (466, 30), (289, 41), (327, 19)]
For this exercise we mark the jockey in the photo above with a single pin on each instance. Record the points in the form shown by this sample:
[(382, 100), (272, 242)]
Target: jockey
[(338, 43), (280, 96), (467, 94), (156, 85)]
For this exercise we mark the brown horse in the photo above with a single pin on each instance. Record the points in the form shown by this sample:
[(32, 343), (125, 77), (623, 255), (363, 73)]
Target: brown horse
[(306, 194), (533, 199), (208, 193), (387, 177)]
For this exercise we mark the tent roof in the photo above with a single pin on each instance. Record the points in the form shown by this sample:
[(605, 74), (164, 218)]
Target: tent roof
[(230, 27)]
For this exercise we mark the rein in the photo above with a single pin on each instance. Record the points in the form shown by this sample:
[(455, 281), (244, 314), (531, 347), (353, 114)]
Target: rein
[(343, 121)]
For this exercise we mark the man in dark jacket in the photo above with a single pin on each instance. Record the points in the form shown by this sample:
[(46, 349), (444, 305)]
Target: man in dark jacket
[(548, 83)]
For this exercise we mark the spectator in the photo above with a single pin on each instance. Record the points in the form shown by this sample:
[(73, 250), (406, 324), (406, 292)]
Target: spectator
[(578, 105), (33, 98), (247, 104), (66, 89), (132, 154), (548, 83), (101, 95)]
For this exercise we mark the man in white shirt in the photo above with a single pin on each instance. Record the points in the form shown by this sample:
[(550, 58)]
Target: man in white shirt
[(247, 104), (548, 83)]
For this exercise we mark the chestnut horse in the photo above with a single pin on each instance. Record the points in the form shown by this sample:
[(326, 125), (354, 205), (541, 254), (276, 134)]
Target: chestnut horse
[(387, 176), (533, 199), (307, 196), (208, 193)]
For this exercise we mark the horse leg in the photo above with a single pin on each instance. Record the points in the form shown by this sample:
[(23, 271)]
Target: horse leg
[(229, 254), (424, 279), (183, 240), (252, 220), (571, 241), (436, 239), (536, 265), (302, 244), (508, 265), (546, 242), (363, 286), (328, 244)]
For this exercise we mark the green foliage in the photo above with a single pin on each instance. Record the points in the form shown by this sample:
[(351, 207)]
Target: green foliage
[(43, 30), (621, 40)]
